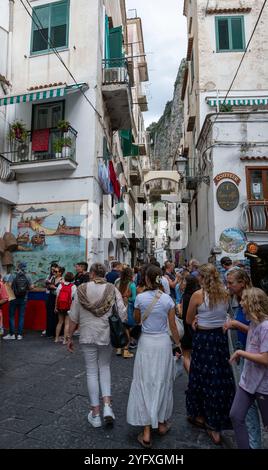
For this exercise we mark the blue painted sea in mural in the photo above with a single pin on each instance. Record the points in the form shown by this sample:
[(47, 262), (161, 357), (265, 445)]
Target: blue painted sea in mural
[(49, 232)]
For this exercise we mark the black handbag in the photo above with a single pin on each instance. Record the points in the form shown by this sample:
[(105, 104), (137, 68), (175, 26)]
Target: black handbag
[(118, 333)]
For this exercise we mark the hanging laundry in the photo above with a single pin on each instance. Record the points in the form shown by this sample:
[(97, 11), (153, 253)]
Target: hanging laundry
[(114, 180), (104, 179), (40, 140)]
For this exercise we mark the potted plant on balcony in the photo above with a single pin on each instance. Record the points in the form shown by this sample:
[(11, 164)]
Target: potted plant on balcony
[(66, 147), (18, 131), (57, 147), (63, 125)]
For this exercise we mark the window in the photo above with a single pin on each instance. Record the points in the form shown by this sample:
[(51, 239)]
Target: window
[(50, 27), (257, 184), (192, 68), (230, 33)]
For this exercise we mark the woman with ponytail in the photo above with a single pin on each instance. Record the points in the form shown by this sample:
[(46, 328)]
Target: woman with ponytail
[(211, 385)]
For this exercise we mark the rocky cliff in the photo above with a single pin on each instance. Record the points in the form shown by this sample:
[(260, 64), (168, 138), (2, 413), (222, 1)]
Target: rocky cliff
[(167, 132)]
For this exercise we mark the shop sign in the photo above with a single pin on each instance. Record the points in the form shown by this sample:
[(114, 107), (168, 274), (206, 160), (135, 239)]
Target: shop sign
[(233, 241), (227, 176), (227, 196)]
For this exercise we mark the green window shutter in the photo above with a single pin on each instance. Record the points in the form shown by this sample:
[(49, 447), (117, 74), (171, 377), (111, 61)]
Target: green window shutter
[(237, 34), (107, 42), (40, 33), (223, 43), (126, 142), (106, 155), (59, 24), (116, 46), (135, 151)]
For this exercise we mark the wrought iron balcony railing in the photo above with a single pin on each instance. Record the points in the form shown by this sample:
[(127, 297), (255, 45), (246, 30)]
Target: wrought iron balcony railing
[(60, 145)]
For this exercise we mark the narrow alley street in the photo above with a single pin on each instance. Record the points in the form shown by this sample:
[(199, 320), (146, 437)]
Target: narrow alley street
[(44, 402)]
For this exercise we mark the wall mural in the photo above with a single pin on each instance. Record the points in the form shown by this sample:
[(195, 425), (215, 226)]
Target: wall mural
[(49, 232)]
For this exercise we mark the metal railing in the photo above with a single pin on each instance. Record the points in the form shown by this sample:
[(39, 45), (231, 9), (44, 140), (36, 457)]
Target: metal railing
[(6, 173), (60, 145), (115, 71), (254, 217)]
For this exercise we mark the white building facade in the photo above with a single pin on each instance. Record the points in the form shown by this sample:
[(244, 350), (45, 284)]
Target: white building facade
[(226, 127), (73, 112)]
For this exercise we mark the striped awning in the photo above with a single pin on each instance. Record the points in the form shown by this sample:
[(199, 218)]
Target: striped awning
[(238, 101), (40, 95)]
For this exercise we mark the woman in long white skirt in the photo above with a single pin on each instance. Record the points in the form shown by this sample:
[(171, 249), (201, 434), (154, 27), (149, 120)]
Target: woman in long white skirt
[(150, 400)]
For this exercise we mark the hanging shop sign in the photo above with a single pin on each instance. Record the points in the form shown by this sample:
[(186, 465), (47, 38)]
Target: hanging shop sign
[(227, 176), (227, 196), (233, 240)]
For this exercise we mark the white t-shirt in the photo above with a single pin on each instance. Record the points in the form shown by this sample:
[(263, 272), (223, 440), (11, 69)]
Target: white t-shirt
[(157, 320)]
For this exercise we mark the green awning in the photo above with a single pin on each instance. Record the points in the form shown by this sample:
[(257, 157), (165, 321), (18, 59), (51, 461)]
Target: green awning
[(128, 148), (42, 95), (237, 101)]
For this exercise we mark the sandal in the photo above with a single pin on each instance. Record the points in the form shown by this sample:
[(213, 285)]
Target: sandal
[(196, 422), (145, 444), (167, 428), (215, 440)]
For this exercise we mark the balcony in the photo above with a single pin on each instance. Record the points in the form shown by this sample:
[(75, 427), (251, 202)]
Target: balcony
[(117, 93), (254, 217), (60, 154), (135, 172)]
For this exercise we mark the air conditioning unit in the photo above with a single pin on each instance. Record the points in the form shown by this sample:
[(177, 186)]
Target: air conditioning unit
[(114, 75)]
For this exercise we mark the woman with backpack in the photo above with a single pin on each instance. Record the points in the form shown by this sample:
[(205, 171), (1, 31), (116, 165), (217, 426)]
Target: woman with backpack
[(64, 297)]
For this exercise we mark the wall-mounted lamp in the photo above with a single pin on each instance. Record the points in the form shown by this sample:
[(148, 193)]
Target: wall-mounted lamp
[(181, 163)]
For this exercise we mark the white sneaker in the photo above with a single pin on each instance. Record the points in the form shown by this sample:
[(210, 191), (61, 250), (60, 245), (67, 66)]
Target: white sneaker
[(19, 337), (9, 337), (95, 421), (108, 414)]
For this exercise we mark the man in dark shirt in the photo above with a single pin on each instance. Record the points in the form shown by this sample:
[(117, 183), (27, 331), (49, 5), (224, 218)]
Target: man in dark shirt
[(114, 273), (82, 276)]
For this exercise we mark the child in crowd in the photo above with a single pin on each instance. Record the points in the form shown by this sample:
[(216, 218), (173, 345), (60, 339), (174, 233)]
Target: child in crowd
[(254, 379)]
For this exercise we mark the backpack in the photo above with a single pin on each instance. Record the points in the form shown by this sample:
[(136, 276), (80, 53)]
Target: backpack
[(64, 300), (20, 285)]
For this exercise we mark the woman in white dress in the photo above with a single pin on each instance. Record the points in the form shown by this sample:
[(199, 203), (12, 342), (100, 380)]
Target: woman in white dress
[(150, 400)]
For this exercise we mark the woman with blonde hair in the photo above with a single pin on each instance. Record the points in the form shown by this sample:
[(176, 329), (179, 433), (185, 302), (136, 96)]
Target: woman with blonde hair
[(254, 379), (211, 385)]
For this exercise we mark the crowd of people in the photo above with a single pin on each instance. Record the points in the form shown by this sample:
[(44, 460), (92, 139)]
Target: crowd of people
[(224, 348)]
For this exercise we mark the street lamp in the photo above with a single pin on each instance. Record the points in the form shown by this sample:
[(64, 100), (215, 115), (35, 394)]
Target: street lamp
[(181, 163)]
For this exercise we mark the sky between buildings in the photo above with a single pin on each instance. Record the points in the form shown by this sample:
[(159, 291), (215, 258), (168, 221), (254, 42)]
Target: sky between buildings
[(165, 38)]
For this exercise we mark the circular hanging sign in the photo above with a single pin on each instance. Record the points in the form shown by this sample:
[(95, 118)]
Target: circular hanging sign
[(233, 240), (227, 196)]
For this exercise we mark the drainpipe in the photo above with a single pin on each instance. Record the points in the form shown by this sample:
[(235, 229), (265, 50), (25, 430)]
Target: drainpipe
[(218, 106)]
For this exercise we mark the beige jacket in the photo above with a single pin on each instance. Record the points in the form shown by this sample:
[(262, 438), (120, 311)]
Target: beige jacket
[(94, 330)]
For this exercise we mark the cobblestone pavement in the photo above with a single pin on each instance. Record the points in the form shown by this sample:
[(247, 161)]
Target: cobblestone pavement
[(44, 402)]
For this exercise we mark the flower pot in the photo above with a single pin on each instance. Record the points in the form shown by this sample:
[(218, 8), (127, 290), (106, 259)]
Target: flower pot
[(58, 155), (66, 151)]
